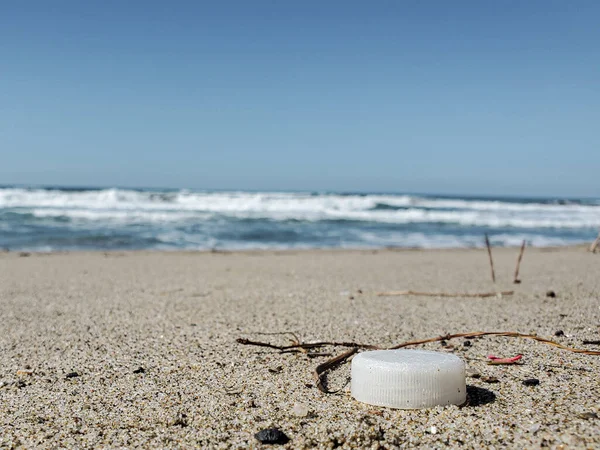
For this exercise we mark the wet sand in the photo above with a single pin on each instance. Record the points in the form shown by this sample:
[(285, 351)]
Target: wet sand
[(139, 349)]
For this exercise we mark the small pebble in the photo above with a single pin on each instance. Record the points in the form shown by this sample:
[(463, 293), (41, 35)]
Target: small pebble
[(490, 379), (471, 373), (531, 382), (22, 372), (272, 436), (467, 343), (433, 430), (559, 333), (275, 369), (588, 415), (139, 370), (300, 410), (551, 294), (71, 375), (181, 420)]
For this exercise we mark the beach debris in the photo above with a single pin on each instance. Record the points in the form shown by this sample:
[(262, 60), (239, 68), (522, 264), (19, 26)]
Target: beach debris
[(24, 372), (300, 410), (24, 254), (595, 244), (272, 436), (516, 279), (445, 294), (558, 333), (551, 294), (72, 375), (489, 250), (489, 379), (321, 369), (435, 378), (180, 420), (496, 360), (467, 344), (588, 415), (591, 342), (139, 370), (531, 382)]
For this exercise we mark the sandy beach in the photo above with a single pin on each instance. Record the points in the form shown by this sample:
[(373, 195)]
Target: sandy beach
[(138, 349)]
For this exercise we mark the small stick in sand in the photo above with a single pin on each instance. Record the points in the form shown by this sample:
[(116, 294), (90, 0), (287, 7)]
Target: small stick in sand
[(445, 294), (328, 365), (516, 279), (595, 244), (489, 249)]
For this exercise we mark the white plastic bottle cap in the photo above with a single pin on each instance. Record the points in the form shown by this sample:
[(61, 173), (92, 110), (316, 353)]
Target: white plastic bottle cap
[(408, 379)]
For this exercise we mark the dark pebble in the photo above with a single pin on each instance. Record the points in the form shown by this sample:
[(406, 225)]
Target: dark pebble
[(467, 343), (531, 382), (559, 333), (351, 298), (139, 370), (360, 291), (272, 436), (551, 294), (24, 254), (490, 380), (588, 415), (443, 343), (71, 375)]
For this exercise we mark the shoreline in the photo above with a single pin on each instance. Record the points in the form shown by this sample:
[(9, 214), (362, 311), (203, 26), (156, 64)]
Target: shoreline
[(275, 251), (151, 337)]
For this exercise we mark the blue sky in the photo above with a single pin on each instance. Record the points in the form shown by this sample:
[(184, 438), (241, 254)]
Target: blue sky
[(469, 97)]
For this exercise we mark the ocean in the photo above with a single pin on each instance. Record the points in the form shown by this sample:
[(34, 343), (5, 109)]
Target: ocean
[(54, 219)]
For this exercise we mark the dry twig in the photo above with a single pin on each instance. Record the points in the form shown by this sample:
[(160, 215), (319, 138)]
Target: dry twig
[(445, 294), (516, 278), (330, 364), (489, 250), (595, 244)]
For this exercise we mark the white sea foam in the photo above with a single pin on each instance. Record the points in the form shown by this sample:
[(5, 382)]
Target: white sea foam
[(128, 206)]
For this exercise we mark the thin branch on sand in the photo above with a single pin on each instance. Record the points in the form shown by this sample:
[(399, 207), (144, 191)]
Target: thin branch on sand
[(445, 294), (489, 250), (516, 278), (330, 364)]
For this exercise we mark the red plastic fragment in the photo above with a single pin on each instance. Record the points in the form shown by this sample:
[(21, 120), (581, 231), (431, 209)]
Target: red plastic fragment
[(496, 360)]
